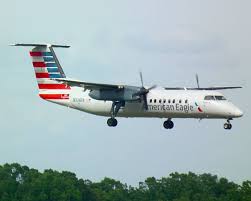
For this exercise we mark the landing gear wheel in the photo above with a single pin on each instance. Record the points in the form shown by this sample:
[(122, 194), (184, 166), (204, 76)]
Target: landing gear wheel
[(227, 126), (168, 124), (115, 122), (112, 122)]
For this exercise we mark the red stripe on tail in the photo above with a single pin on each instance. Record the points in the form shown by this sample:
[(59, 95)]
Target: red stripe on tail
[(53, 86), (35, 54), (39, 64), (42, 75), (54, 96)]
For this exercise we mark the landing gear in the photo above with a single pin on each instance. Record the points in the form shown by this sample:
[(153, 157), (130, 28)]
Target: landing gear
[(168, 124), (112, 122), (116, 105), (228, 125)]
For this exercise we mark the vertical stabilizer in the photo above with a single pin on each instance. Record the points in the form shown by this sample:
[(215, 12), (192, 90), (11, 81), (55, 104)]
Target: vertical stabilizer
[(47, 67)]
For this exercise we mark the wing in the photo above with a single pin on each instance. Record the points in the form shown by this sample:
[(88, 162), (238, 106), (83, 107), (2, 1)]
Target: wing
[(88, 85), (201, 88)]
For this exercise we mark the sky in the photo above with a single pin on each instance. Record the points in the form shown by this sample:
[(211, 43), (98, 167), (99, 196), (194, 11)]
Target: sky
[(170, 41)]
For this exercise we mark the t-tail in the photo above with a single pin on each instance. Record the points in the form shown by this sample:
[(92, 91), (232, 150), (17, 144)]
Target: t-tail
[(47, 67)]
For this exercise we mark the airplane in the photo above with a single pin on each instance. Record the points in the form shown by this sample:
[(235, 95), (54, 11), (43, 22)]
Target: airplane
[(112, 100)]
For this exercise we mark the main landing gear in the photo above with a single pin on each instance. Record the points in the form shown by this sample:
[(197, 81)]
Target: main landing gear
[(168, 124), (228, 125), (112, 122), (116, 105)]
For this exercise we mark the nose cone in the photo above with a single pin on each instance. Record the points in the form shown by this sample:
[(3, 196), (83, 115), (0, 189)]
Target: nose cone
[(238, 113)]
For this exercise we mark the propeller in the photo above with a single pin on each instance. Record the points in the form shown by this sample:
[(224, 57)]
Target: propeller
[(141, 78), (143, 92)]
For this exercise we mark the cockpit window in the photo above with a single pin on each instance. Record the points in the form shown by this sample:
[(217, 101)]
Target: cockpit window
[(215, 98), (209, 98), (220, 98)]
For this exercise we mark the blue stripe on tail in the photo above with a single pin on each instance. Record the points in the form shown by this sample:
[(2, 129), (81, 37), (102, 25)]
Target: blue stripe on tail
[(47, 54), (53, 70), (51, 65), (55, 75), (46, 59)]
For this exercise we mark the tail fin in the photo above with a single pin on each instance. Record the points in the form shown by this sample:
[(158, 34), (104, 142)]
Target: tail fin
[(47, 67)]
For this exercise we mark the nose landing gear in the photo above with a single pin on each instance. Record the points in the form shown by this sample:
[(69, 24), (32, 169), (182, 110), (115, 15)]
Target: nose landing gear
[(228, 125), (168, 124)]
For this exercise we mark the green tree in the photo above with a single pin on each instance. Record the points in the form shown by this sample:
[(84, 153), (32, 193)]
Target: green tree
[(20, 183)]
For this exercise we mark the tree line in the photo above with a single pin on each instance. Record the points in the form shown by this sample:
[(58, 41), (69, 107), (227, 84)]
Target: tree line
[(21, 183)]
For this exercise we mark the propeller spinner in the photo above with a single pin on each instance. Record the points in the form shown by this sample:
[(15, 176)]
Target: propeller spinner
[(142, 93)]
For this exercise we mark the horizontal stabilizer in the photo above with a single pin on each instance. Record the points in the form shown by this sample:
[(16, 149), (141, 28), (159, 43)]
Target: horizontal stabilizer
[(39, 45)]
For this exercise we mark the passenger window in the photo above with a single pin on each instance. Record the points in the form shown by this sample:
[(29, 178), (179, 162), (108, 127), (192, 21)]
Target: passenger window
[(173, 100), (151, 100), (155, 100), (169, 101), (180, 101), (159, 100), (209, 98), (186, 101), (164, 100)]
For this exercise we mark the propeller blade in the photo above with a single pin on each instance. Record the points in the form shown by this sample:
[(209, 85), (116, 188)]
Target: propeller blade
[(141, 78), (197, 80), (152, 87), (145, 102)]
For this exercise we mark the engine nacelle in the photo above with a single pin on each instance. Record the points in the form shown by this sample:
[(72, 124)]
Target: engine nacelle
[(125, 94)]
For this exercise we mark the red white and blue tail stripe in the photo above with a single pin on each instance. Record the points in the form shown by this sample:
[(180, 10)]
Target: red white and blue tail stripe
[(47, 67)]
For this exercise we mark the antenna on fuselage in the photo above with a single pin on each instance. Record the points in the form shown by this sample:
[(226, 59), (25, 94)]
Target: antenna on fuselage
[(197, 80)]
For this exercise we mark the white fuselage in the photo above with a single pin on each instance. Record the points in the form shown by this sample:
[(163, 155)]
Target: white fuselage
[(161, 103)]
